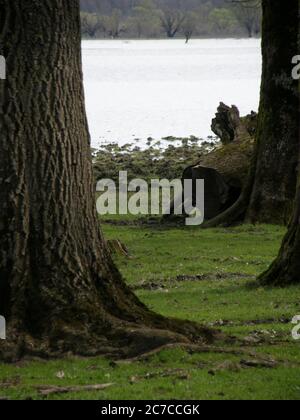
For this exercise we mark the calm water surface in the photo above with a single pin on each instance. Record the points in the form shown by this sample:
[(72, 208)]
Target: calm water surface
[(141, 89)]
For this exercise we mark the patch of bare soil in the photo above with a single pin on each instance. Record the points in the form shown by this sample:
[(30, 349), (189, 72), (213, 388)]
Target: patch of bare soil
[(161, 284)]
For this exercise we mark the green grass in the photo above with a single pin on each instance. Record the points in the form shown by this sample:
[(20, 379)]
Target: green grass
[(202, 276), (165, 254)]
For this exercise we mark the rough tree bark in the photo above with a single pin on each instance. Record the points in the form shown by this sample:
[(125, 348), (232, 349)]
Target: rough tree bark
[(59, 290), (286, 268), (269, 194)]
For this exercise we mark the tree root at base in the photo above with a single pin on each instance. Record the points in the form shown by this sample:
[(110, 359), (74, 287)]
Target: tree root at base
[(118, 340)]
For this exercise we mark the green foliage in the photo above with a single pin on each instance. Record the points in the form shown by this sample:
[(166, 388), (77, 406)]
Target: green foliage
[(114, 24), (189, 25), (91, 24), (161, 18), (249, 16), (222, 20), (172, 21), (159, 160), (145, 20)]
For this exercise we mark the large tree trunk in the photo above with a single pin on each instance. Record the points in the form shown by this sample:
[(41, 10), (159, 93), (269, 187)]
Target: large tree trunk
[(59, 290), (270, 191), (286, 268), (278, 134)]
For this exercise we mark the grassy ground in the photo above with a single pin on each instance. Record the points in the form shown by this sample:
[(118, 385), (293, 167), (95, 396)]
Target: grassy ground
[(203, 276)]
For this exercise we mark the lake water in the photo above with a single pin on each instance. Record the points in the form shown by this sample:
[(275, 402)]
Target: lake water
[(141, 89)]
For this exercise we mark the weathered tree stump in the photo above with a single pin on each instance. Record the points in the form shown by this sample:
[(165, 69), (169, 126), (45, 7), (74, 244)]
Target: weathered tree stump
[(225, 169)]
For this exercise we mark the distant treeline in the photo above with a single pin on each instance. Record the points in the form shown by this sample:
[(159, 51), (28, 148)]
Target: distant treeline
[(170, 18)]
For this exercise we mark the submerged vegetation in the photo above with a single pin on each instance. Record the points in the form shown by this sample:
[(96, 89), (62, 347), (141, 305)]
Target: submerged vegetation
[(165, 159)]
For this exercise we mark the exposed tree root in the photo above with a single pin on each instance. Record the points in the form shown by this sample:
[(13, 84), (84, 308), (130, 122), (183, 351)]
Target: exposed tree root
[(110, 337), (193, 348), (279, 275), (234, 215), (285, 269)]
